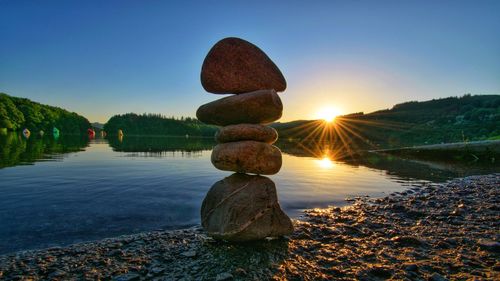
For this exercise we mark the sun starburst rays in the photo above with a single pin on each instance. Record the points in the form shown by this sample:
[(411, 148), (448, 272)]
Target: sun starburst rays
[(340, 139)]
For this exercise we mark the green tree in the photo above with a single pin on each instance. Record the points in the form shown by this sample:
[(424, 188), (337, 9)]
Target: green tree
[(156, 124), (10, 117), (17, 113)]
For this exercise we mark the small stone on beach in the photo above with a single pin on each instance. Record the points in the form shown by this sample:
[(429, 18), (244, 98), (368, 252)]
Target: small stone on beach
[(224, 276), (189, 254)]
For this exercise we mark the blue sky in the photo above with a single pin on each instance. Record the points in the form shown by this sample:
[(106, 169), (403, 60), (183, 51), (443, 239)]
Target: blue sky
[(101, 58)]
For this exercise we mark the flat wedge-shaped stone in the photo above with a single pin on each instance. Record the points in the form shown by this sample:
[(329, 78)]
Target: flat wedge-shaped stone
[(243, 207), (259, 107), (236, 66), (247, 157), (241, 132)]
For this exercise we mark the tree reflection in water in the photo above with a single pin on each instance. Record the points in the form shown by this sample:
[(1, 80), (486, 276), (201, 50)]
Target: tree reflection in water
[(16, 150)]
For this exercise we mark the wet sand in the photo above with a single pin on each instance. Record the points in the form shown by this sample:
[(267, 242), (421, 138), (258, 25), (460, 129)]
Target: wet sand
[(433, 232)]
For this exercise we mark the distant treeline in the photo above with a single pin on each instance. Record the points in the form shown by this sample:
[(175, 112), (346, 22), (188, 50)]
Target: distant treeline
[(454, 119), (157, 125), (19, 113)]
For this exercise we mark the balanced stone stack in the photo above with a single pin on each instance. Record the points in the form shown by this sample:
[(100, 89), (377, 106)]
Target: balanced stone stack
[(243, 207)]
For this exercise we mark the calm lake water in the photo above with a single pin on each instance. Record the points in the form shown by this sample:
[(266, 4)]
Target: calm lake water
[(59, 192)]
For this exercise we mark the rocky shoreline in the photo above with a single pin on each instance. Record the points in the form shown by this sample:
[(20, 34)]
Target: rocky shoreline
[(434, 232)]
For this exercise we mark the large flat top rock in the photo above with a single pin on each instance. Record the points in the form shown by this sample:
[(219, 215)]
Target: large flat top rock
[(236, 66)]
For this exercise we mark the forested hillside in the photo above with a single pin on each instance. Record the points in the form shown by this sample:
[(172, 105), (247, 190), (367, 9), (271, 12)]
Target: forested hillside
[(18, 113), (157, 125), (453, 119)]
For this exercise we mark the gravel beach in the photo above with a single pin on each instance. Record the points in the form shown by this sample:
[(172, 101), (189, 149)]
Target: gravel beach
[(434, 232)]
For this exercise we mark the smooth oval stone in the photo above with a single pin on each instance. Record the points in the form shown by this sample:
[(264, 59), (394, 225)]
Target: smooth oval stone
[(243, 207), (259, 107), (241, 132), (236, 66), (247, 157)]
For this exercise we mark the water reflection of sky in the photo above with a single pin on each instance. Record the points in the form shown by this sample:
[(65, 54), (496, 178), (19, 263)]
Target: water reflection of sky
[(140, 185)]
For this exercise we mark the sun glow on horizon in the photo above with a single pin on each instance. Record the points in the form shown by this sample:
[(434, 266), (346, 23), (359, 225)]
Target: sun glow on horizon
[(325, 163), (328, 114)]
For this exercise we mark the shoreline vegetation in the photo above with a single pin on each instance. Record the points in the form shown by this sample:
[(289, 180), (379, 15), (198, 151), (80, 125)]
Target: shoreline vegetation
[(432, 232), (157, 124), (17, 114), (446, 120)]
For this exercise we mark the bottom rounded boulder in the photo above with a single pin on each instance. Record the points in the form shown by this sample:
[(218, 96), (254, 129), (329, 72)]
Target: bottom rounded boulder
[(244, 207)]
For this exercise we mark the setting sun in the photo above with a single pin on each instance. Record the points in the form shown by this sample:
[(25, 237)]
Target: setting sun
[(328, 113), (325, 163)]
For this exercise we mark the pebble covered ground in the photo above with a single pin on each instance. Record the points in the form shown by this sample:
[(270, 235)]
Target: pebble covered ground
[(434, 232)]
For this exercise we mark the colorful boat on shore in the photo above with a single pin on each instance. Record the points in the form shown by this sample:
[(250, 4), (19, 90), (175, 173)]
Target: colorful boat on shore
[(55, 132), (26, 133), (91, 133)]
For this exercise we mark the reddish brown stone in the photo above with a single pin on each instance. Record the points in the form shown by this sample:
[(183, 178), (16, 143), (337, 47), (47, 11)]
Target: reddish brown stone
[(259, 107), (236, 66), (241, 132), (247, 157), (243, 207)]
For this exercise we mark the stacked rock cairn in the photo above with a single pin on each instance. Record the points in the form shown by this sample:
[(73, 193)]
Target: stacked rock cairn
[(243, 206)]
